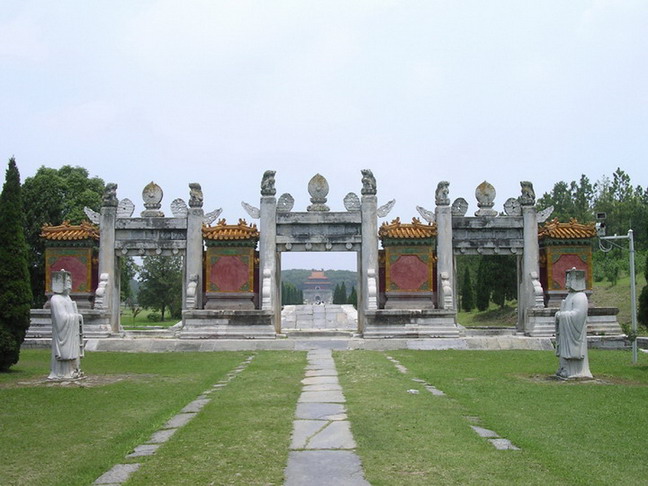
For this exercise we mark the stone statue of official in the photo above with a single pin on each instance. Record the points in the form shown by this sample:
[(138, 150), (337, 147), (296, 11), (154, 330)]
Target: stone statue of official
[(67, 327), (571, 329)]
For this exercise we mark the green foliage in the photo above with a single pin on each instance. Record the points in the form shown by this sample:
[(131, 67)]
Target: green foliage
[(574, 200), (353, 297), (53, 196), (127, 271), (482, 291), (15, 288), (340, 294), (642, 311), (291, 295), (154, 317), (161, 284), (467, 295)]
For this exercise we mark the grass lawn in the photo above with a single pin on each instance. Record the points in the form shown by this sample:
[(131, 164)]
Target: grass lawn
[(570, 433), (53, 435), (141, 320), (583, 433)]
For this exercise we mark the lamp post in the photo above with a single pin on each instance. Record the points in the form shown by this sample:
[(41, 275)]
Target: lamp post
[(633, 285)]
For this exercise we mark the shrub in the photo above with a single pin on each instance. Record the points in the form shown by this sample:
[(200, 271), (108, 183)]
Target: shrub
[(154, 317)]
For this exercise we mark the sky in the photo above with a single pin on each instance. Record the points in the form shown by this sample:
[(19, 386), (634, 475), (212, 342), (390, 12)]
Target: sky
[(217, 92)]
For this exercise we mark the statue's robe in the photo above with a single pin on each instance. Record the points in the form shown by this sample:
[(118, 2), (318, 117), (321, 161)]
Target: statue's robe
[(571, 337), (66, 350)]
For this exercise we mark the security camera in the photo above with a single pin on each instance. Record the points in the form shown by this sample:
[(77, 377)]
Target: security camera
[(600, 228)]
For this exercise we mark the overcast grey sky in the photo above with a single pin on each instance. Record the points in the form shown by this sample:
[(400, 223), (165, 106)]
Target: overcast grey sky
[(216, 92)]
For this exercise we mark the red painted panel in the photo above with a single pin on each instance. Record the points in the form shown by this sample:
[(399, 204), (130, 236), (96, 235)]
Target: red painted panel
[(564, 263), (229, 273), (77, 268), (409, 272)]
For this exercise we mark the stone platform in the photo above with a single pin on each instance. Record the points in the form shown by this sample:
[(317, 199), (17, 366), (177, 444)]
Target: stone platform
[(153, 345)]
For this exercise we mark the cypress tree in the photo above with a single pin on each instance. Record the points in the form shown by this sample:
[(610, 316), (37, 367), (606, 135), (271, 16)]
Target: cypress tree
[(353, 298), (15, 287), (483, 290), (343, 293), (467, 298)]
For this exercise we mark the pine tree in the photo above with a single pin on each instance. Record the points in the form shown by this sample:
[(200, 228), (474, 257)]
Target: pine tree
[(467, 298), (15, 287), (343, 293)]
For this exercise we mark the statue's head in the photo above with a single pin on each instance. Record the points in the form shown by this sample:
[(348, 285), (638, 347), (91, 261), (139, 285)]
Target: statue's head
[(61, 282), (575, 280)]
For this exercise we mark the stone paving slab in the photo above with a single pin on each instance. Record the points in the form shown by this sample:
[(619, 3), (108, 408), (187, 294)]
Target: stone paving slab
[(323, 387), (118, 474), (321, 397), (319, 372), (144, 450), (336, 435), (161, 436), (482, 432), (196, 405), (321, 411), (319, 380), (503, 445), (324, 468), (179, 420), (303, 430)]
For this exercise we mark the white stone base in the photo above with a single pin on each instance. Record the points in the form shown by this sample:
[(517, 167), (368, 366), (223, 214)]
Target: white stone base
[(96, 324), (601, 321), (227, 324), (393, 323)]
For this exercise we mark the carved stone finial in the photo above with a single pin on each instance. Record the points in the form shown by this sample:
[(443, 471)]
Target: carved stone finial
[(352, 202), (152, 196), (441, 196), (368, 183), (195, 195), (285, 203), (318, 189), (268, 183), (527, 198), (459, 207), (125, 208), (485, 194), (512, 207), (110, 195)]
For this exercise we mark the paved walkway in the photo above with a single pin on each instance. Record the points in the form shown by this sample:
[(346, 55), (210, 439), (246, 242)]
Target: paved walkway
[(322, 448)]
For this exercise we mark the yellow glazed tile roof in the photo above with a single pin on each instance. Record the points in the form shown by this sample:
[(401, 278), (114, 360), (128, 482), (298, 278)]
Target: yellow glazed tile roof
[(224, 231), (413, 231), (565, 231), (70, 232)]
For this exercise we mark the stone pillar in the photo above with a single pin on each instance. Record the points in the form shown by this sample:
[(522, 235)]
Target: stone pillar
[(369, 258), (194, 255), (530, 259), (445, 255), (108, 262), (268, 247)]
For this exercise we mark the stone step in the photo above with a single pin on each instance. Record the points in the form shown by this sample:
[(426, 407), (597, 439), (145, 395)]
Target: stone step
[(490, 331), (318, 333)]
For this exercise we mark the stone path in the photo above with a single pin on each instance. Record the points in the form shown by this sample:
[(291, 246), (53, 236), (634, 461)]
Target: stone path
[(498, 442), (322, 447), (120, 473)]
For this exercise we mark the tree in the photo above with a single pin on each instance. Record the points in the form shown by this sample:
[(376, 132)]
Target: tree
[(291, 295), (53, 196), (642, 312), (353, 297), (161, 284), (483, 289), (15, 289), (467, 298), (340, 294)]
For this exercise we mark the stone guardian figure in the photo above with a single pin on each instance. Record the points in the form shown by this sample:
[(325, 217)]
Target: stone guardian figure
[(67, 325), (571, 329)]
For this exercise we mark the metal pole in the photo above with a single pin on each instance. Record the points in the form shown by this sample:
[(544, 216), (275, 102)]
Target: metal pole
[(633, 297)]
